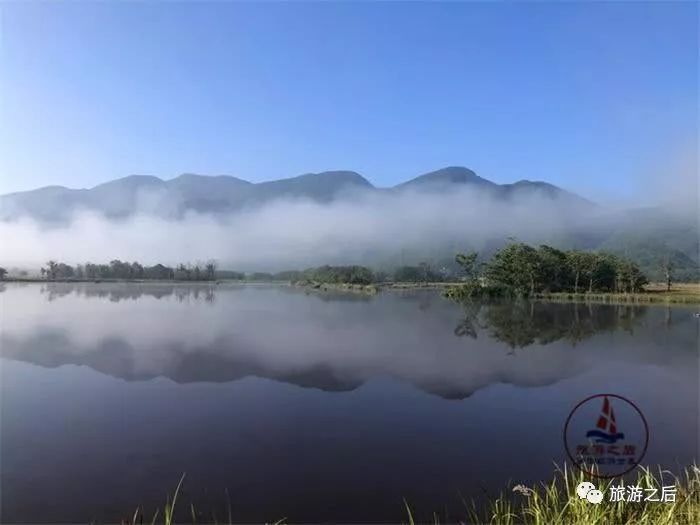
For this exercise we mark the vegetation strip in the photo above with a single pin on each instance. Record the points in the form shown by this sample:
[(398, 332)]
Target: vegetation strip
[(552, 503), (517, 270)]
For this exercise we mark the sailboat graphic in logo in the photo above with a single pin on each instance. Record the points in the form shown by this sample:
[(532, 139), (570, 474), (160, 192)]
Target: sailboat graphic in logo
[(606, 431)]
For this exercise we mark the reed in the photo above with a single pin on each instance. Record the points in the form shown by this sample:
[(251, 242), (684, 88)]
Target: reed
[(550, 503)]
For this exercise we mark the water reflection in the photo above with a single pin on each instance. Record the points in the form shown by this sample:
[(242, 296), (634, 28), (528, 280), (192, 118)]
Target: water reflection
[(116, 292), (325, 341), (523, 323), (375, 373)]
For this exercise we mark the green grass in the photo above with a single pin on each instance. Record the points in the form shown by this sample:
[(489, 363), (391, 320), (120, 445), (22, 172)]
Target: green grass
[(656, 293), (556, 503), (551, 503), (616, 298)]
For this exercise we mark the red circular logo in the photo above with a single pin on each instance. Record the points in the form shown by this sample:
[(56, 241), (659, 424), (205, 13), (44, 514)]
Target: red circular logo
[(606, 435)]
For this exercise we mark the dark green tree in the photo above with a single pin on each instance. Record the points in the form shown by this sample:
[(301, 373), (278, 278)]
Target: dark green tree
[(576, 261), (554, 274), (515, 268), (468, 264)]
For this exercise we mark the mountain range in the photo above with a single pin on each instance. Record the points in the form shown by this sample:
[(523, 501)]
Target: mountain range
[(224, 194), (645, 235)]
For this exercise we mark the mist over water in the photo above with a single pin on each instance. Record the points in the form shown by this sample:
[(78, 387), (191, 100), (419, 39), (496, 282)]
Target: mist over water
[(296, 232)]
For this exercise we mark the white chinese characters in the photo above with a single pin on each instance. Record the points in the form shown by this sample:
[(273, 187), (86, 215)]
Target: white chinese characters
[(637, 494), (628, 494)]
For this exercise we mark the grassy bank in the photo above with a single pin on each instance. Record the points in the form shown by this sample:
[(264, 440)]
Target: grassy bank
[(369, 289), (439, 285), (688, 293), (552, 503), (556, 502), (681, 293)]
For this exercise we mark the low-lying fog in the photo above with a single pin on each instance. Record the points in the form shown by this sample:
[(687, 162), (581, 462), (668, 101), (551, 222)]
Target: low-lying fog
[(364, 227)]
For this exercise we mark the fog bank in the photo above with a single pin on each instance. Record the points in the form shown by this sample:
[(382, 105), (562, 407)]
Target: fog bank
[(297, 233)]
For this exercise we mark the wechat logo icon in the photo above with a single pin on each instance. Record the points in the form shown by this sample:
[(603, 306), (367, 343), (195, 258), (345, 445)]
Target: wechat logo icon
[(586, 490)]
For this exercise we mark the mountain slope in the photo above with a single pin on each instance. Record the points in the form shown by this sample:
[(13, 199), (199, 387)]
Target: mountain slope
[(446, 177), (172, 198), (321, 187), (222, 194), (454, 177)]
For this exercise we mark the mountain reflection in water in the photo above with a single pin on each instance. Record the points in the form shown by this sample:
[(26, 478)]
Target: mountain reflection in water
[(334, 342), (312, 407)]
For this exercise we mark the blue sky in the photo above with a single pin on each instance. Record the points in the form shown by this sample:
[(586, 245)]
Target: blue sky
[(595, 97)]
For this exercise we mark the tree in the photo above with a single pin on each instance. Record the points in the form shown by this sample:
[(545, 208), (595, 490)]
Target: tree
[(211, 269), (119, 269), (590, 265), (629, 277), (667, 267), (515, 268), (467, 262), (50, 270), (577, 264), (181, 273), (553, 271), (91, 270), (604, 274), (136, 271), (64, 271), (3, 273), (340, 274)]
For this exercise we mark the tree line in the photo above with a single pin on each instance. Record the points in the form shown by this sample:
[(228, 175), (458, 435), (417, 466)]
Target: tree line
[(117, 269), (519, 269), (339, 274)]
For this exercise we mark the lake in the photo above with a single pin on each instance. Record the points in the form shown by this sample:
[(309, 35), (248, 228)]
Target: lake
[(313, 407)]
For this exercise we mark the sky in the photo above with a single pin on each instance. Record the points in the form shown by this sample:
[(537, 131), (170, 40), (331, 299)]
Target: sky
[(599, 98)]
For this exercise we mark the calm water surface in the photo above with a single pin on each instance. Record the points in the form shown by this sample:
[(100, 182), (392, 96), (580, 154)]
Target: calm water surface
[(312, 407)]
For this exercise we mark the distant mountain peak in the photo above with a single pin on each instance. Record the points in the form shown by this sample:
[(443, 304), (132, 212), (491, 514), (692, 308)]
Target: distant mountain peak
[(525, 186), (447, 176), (196, 177), (343, 176), (131, 181)]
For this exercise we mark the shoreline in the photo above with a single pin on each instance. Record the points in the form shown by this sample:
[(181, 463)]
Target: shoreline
[(681, 293), (555, 500), (618, 298)]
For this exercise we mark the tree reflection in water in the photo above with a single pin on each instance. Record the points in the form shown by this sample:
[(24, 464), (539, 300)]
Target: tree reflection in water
[(116, 292), (523, 323)]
